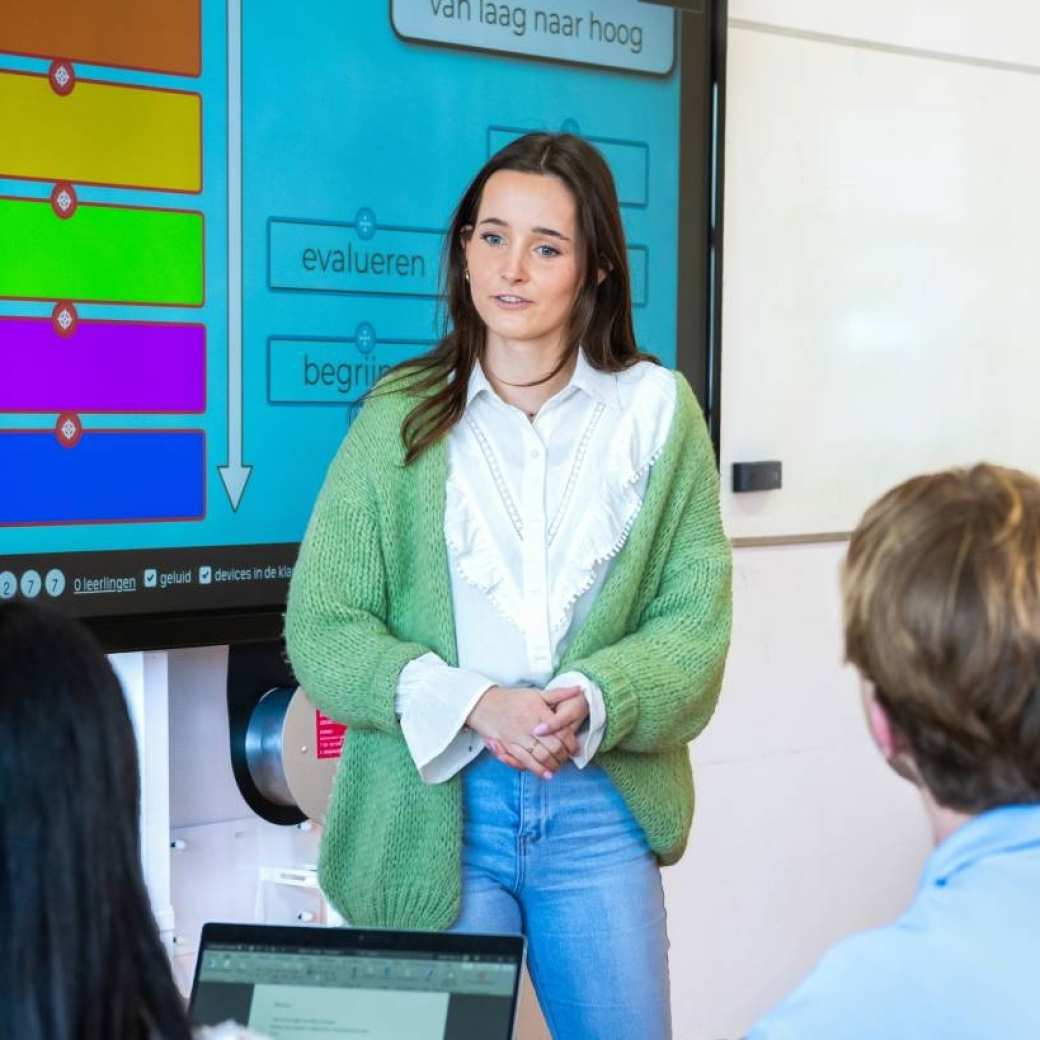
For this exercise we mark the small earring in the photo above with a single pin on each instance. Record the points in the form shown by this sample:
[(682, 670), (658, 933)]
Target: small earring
[(467, 274)]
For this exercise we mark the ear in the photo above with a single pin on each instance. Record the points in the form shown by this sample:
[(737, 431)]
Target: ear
[(602, 272), (879, 724), (892, 749)]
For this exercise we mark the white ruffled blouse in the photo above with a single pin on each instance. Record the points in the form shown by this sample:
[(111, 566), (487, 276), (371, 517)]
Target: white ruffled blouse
[(536, 511)]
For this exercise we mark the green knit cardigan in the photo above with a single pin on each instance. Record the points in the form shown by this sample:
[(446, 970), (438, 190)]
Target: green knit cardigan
[(371, 592)]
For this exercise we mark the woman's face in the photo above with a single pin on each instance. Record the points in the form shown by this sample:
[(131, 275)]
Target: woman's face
[(522, 257)]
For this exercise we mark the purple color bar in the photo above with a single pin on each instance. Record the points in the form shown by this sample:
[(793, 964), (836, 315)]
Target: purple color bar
[(104, 366)]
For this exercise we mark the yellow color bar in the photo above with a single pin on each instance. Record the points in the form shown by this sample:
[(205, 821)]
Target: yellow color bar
[(101, 133)]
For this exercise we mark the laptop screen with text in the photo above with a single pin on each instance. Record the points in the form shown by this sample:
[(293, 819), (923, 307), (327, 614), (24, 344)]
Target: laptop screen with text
[(298, 983)]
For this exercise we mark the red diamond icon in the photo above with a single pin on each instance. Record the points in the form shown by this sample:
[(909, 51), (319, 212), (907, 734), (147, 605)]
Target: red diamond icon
[(64, 318), (62, 77), (63, 199), (68, 429)]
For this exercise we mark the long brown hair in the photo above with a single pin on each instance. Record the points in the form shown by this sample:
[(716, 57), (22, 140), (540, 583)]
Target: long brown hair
[(600, 323)]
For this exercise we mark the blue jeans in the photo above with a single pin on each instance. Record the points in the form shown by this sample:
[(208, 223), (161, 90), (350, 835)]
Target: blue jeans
[(564, 862)]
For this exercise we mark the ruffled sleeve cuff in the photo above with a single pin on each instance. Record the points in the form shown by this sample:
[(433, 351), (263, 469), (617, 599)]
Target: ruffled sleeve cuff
[(591, 731), (433, 702)]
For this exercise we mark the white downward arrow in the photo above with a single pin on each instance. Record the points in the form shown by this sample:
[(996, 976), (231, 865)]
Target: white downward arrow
[(234, 474)]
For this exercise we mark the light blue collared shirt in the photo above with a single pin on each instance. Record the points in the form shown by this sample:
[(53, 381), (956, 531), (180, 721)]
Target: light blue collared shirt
[(963, 963)]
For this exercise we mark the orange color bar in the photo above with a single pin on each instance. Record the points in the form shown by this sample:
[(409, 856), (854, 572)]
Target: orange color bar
[(153, 35)]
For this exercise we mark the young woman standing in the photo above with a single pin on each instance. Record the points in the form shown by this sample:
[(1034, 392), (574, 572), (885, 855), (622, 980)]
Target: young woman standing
[(515, 590)]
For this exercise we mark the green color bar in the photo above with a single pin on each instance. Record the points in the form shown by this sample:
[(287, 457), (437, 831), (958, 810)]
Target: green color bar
[(111, 254)]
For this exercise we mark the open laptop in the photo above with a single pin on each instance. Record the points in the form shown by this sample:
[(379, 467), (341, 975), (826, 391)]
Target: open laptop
[(298, 983)]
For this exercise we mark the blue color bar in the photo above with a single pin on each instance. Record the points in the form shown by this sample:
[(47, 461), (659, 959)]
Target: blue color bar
[(109, 476)]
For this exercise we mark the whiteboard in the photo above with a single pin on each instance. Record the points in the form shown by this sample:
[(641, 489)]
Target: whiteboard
[(881, 274)]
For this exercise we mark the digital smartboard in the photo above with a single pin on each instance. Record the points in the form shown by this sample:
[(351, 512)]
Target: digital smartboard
[(222, 222)]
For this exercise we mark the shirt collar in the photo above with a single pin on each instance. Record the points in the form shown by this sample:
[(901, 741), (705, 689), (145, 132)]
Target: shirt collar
[(478, 383), (1001, 830), (600, 386)]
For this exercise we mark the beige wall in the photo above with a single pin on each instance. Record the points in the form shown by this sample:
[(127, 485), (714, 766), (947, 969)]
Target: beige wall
[(801, 834)]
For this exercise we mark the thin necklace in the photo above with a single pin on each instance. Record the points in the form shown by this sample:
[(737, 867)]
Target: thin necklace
[(490, 374)]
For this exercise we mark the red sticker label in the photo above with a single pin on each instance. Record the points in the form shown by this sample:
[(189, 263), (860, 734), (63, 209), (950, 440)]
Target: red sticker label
[(62, 77), (63, 199), (64, 318), (329, 736), (68, 429)]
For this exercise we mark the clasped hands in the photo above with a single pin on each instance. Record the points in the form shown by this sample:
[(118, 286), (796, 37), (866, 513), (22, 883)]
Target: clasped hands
[(531, 729)]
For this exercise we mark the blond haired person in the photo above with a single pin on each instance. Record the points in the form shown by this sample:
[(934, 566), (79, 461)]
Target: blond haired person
[(942, 618)]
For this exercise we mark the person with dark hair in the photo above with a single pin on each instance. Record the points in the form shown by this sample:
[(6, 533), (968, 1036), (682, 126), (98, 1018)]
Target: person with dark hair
[(515, 591), (80, 955), (942, 619)]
